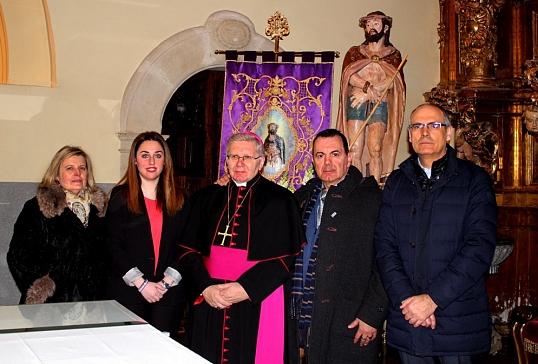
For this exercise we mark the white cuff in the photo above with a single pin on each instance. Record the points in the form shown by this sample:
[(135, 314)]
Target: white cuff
[(174, 275), (132, 275)]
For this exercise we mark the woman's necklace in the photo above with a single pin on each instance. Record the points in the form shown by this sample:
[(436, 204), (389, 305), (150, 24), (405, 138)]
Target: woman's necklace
[(225, 233)]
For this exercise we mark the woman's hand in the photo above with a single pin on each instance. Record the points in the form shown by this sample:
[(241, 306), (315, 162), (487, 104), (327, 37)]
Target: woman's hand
[(153, 292)]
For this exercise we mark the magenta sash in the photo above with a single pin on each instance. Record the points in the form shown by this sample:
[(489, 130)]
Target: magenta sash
[(229, 264)]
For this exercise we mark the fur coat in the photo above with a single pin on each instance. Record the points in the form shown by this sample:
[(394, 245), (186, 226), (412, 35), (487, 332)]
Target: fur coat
[(52, 256)]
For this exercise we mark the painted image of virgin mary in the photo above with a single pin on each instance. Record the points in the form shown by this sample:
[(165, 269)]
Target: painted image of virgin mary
[(275, 148)]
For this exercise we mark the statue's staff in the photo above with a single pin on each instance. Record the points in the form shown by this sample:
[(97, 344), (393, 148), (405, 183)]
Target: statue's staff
[(378, 102)]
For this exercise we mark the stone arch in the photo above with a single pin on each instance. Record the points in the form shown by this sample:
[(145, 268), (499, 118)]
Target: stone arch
[(173, 62)]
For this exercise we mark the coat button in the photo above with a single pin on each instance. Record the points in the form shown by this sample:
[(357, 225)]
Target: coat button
[(413, 244), (414, 210)]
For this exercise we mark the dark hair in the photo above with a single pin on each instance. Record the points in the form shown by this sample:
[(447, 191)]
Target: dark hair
[(329, 133), (385, 20), (169, 196)]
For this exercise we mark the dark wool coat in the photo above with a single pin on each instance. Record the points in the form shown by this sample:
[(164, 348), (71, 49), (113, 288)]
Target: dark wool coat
[(49, 239), (441, 244), (131, 245), (347, 281)]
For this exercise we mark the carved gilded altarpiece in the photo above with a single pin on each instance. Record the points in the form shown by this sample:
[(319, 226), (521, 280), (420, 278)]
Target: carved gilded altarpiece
[(488, 79)]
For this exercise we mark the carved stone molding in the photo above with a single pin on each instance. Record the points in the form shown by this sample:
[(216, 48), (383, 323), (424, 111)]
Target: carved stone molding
[(174, 61)]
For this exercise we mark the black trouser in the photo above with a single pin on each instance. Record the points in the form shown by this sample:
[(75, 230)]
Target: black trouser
[(466, 359)]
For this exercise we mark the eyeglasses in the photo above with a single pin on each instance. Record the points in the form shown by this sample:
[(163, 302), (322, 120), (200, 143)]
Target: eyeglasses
[(246, 158), (435, 125)]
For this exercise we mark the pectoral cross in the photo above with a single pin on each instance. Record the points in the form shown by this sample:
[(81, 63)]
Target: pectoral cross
[(224, 234)]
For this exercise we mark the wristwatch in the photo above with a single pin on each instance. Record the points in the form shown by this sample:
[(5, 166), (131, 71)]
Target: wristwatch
[(165, 285)]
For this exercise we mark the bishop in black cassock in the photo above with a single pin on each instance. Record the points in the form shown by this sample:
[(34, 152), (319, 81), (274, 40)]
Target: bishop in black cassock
[(249, 233)]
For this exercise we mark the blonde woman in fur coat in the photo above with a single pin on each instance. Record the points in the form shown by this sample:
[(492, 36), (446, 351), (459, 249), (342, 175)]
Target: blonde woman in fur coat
[(58, 252)]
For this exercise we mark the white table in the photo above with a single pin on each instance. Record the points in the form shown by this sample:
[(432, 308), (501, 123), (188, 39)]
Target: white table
[(84, 332)]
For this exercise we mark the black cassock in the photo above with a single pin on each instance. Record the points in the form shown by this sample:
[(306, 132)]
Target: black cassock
[(264, 236)]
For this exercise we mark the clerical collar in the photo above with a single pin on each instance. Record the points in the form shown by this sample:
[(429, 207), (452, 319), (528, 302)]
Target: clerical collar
[(245, 184)]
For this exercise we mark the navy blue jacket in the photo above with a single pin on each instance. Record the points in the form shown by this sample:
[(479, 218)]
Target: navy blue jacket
[(440, 243)]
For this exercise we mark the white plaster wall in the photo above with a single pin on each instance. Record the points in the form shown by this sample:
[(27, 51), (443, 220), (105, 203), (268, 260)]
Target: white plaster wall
[(100, 44)]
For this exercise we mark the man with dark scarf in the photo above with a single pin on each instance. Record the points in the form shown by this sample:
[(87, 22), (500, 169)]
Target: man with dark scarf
[(337, 302)]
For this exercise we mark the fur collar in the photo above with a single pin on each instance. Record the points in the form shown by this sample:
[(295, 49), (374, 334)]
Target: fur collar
[(52, 202)]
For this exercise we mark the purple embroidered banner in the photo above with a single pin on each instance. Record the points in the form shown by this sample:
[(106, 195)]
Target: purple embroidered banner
[(286, 104)]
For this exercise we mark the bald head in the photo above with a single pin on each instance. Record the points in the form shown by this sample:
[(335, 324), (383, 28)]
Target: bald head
[(429, 132)]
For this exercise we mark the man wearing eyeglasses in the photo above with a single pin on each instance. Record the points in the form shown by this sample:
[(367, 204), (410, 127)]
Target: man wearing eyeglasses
[(435, 239), (237, 252)]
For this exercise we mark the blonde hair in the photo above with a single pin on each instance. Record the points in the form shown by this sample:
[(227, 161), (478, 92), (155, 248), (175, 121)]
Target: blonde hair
[(169, 195), (53, 171)]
